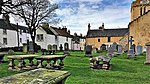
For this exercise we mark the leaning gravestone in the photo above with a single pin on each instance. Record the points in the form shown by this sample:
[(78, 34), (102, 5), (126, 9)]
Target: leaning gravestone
[(139, 50), (88, 51), (147, 53), (114, 46)]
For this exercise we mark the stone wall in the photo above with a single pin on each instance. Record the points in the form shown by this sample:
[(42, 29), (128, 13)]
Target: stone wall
[(94, 41), (123, 41)]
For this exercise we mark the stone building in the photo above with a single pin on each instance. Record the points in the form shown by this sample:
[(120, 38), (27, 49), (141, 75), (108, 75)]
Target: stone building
[(140, 22), (97, 37)]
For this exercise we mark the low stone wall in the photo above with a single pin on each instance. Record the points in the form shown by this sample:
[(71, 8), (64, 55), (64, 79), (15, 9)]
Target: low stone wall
[(37, 76)]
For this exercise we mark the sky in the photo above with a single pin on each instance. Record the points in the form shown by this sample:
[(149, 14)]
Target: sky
[(76, 14)]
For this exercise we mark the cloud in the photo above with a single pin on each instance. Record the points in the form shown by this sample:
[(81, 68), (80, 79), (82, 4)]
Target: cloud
[(114, 13)]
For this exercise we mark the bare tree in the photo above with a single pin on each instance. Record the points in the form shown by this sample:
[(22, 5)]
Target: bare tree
[(35, 13), (9, 4)]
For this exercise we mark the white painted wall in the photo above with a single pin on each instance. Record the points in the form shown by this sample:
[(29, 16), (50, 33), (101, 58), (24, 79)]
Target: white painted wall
[(48, 39), (12, 40), (62, 40)]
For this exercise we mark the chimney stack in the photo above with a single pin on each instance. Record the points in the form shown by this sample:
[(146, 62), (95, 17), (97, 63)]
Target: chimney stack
[(89, 26)]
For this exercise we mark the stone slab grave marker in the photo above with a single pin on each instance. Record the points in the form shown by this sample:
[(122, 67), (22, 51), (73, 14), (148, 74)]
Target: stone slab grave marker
[(31, 48), (119, 51), (111, 51), (139, 50), (114, 46), (126, 48), (37, 76), (103, 47), (131, 53), (147, 53), (94, 50), (66, 49), (88, 51), (54, 49)]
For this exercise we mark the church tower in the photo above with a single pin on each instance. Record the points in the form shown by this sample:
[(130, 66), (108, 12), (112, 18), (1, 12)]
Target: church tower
[(139, 8)]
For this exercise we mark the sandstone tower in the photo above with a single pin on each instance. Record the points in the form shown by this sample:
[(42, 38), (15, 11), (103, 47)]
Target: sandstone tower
[(139, 8)]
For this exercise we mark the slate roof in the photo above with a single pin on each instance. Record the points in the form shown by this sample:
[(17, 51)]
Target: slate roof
[(61, 32), (48, 31), (4, 25), (107, 32)]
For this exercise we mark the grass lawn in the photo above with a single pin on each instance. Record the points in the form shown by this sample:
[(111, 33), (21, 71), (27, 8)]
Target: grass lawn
[(124, 71)]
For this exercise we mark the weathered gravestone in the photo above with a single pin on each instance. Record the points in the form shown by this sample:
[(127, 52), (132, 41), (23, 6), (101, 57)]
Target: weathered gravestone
[(139, 50), (131, 53), (147, 53), (54, 48), (49, 47), (94, 50), (114, 46), (25, 48), (133, 48), (66, 49), (37, 76), (119, 51), (31, 48), (126, 48), (103, 47), (88, 51), (111, 51)]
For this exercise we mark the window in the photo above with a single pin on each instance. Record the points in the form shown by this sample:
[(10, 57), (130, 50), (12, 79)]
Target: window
[(66, 38), (20, 32), (144, 9), (99, 40), (40, 37), (141, 11), (5, 41), (4, 31), (20, 40), (109, 39)]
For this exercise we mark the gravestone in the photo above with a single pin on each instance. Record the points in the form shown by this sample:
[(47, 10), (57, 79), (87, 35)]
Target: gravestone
[(54, 48), (61, 47), (126, 48), (66, 49), (119, 49), (130, 41), (88, 51), (31, 48), (111, 51), (131, 53), (114, 46), (49, 47), (139, 50), (133, 47), (147, 53), (24, 47), (103, 47), (94, 50)]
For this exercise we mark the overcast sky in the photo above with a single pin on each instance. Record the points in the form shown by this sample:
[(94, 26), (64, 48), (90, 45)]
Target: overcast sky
[(76, 14)]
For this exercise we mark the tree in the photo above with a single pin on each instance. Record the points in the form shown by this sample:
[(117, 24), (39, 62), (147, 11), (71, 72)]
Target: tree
[(35, 13), (5, 4)]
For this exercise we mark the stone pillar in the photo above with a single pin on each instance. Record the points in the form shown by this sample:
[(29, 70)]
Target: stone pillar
[(147, 53)]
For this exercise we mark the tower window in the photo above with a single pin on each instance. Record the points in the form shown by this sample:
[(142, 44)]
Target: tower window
[(141, 11), (145, 9)]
